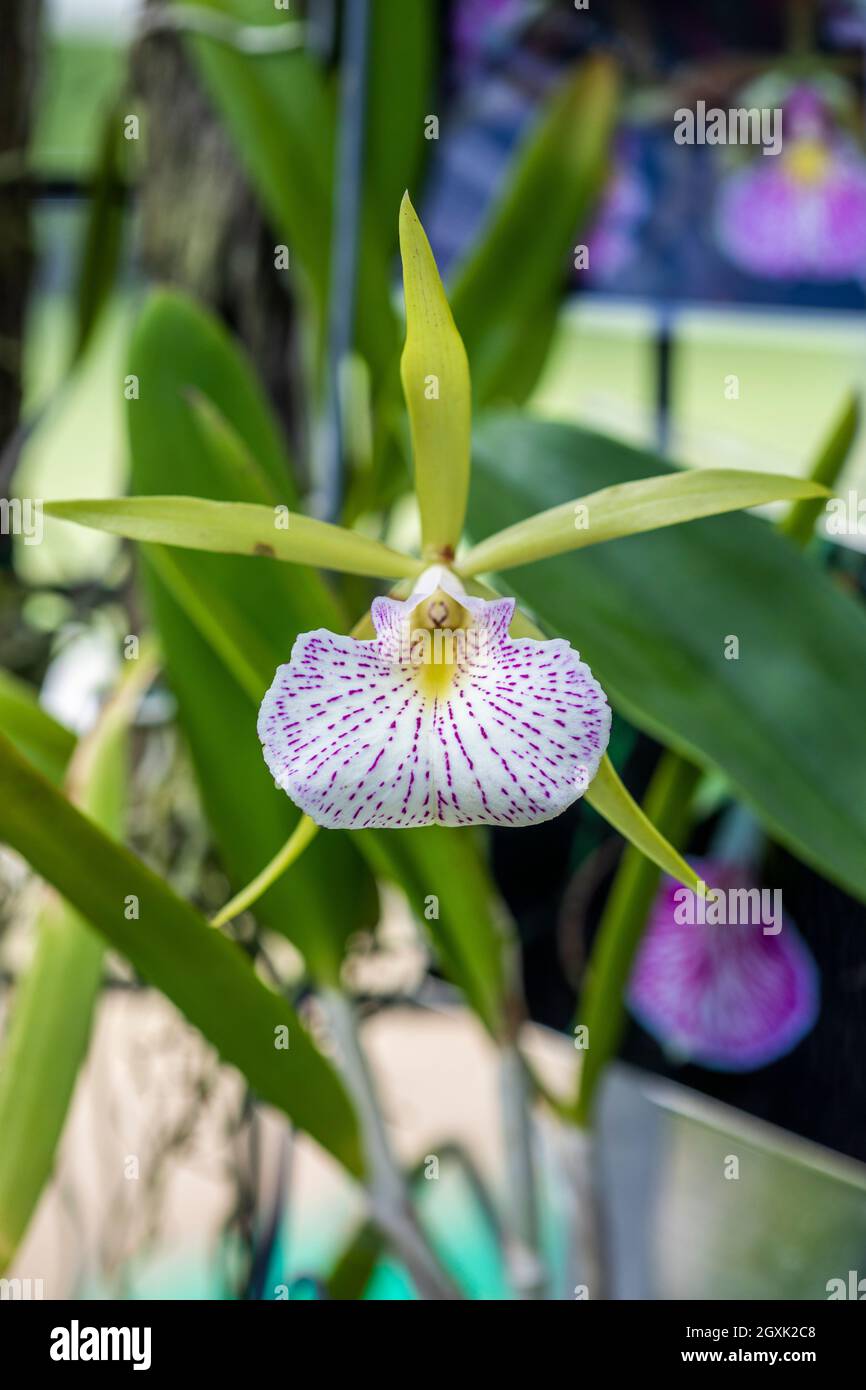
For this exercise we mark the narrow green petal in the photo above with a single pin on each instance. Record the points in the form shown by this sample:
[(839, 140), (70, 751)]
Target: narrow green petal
[(435, 374), (629, 508), (238, 528), (607, 795)]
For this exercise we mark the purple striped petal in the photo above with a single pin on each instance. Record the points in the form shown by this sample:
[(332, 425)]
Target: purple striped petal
[(728, 996), (382, 734)]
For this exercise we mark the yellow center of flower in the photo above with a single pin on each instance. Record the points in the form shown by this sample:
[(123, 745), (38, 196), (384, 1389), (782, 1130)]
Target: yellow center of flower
[(807, 160), (439, 627)]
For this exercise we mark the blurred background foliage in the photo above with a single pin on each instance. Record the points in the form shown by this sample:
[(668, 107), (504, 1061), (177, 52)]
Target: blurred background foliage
[(236, 259)]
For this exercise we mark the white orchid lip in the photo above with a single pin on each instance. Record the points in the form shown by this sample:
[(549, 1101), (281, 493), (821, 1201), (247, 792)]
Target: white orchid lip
[(442, 717)]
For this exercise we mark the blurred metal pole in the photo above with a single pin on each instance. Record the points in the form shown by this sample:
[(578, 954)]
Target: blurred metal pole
[(345, 248), (664, 340)]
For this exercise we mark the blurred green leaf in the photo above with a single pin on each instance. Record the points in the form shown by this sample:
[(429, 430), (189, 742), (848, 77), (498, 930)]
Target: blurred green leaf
[(103, 235), (47, 744), (53, 1005), (652, 616), (450, 893), (403, 48), (279, 109), (627, 509), (207, 607), (799, 523), (505, 297), (203, 973)]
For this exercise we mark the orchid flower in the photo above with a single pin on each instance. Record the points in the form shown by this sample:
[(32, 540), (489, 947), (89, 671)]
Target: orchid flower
[(442, 717), (446, 704), (730, 995), (801, 215)]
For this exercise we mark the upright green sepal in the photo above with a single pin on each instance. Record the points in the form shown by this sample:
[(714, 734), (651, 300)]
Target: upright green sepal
[(435, 374)]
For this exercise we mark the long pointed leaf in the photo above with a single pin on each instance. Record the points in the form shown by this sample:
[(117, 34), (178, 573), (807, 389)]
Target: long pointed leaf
[(34, 733), (505, 298), (203, 973), (53, 1005)]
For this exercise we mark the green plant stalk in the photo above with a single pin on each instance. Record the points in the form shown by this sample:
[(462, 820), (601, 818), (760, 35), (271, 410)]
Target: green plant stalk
[(601, 1008), (357, 1261), (523, 1244), (388, 1191)]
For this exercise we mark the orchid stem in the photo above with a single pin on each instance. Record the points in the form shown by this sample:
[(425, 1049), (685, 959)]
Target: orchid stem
[(390, 1201), (304, 832), (523, 1243), (601, 1008), (587, 1261)]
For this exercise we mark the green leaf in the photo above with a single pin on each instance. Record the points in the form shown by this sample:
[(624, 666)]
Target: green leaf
[(439, 862), (626, 509), (47, 744), (279, 110), (506, 296), (103, 238), (669, 806), (237, 528), (402, 58), (799, 523), (653, 617), (203, 973), (53, 1005), (49, 1031), (225, 624), (435, 377)]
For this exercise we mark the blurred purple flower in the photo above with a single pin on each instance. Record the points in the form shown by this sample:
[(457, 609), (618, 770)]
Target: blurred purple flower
[(727, 996), (799, 215), (474, 21), (613, 241)]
